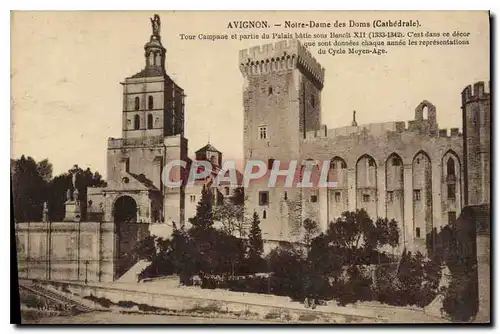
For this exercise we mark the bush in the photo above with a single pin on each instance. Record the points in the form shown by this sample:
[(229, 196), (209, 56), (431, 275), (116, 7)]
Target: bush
[(356, 288), (460, 301)]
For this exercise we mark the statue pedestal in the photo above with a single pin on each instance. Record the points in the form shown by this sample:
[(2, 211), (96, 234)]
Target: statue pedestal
[(73, 213)]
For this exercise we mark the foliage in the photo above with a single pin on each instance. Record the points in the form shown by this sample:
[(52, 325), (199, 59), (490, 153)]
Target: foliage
[(411, 275), (255, 242), (386, 232), (204, 213), (357, 287), (184, 256), (311, 229), (290, 269), (61, 183), (456, 245), (230, 215), (145, 249), (29, 187), (356, 236), (460, 301), (33, 185)]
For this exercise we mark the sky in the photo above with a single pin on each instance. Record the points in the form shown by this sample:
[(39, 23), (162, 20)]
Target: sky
[(67, 67)]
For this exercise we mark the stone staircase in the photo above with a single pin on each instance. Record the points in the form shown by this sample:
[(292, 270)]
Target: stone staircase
[(131, 276)]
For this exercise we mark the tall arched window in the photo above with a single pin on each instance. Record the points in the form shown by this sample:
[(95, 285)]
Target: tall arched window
[(137, 102), (150, 121), (450, 167), (150, 103), (137, 122)]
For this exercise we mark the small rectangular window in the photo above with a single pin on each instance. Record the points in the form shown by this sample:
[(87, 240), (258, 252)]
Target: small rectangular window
[(263, 132), (390, 196), (263, 198), (314, 198), (337, 197), (286, 196), (417, 232), (192, 198), (366, 198), (416, 194)]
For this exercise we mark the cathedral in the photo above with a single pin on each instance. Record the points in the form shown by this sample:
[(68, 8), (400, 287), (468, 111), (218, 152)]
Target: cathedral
[(414, 172), (152, 134)]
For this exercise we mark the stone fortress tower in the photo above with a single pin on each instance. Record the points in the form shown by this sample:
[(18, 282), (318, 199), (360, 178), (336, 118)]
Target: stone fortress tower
[(412, 172), (476, 110), (282, 101)]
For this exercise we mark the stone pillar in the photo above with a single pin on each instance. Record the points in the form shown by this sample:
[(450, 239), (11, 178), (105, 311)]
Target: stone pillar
[(351, 188), (408, 206), (323, 208), (437, 211), (381, 192)]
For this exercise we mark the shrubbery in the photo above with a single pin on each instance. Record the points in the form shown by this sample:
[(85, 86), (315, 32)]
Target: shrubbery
[(329, 265)]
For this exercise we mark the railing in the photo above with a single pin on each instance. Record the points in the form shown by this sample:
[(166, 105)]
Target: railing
[(55, 297)]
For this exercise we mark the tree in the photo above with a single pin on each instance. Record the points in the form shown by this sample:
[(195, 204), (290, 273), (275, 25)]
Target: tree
[(145, 249), (387, 232), (311, 229), (44, 169), (231, 217), (256, 245), (238, 196), (204, 214), (60, 185), (289, 270), (185, 258), (356, 236), (29, 187), (411, 276)]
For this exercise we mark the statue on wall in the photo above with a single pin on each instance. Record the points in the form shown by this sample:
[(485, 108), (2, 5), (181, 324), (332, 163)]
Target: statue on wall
[(155, 25)]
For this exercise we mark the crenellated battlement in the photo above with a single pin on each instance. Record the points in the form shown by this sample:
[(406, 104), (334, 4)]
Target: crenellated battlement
[(475, 92), (376, 130), (282, 55)]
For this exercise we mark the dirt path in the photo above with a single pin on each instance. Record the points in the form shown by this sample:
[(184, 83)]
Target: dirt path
[(121, 318)]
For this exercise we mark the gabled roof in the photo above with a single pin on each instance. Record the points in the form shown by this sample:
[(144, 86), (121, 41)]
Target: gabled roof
[(206, 148)]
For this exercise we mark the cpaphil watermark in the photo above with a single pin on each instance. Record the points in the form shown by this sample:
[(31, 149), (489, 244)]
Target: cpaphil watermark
[(289, 174)]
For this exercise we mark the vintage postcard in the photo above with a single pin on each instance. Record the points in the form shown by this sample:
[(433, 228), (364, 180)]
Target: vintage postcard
[(251, 167)]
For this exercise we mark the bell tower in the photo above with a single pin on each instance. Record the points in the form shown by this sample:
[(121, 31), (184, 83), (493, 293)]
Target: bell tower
[(153, 105), (152, 135)]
